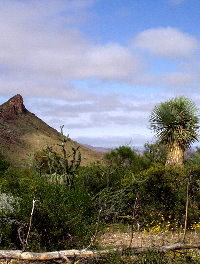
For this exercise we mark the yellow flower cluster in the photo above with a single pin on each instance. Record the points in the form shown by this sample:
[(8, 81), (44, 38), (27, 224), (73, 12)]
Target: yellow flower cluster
[(195, 226), (163, 225), (167, 224)]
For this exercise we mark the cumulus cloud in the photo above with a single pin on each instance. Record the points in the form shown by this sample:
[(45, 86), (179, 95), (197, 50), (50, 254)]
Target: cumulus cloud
[(41, 42), (103, 110), (110, 112), (43, 55), (45, 88), (167, 42)]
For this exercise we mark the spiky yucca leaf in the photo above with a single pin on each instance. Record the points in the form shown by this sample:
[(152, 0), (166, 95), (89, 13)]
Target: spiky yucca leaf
[(176, 121)]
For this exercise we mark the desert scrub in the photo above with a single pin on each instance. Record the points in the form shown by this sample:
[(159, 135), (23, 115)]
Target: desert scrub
[(8, 203)]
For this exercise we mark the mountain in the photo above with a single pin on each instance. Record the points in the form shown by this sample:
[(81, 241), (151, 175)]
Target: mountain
[(101, 150), (22, 134)]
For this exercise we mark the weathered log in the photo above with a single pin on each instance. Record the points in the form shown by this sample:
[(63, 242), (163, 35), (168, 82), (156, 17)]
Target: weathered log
[(67, 254), (163, 249), (55, 255)]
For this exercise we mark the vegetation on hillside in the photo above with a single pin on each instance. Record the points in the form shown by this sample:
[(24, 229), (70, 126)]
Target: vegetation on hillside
[(71, 204)]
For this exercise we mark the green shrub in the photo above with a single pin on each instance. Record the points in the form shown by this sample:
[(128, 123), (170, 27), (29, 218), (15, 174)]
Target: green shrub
[(155, 153), (126, 157), (66, 217), (97, 177), (156, 193), (63, 217)]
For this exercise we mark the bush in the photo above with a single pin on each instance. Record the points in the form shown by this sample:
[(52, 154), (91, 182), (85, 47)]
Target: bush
[(150, 195), (126, 157), (66, 217), (63, 217), (155, 153), (164, 191), (97, 177)]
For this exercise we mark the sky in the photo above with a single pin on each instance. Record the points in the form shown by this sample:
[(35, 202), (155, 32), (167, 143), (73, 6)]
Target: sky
[(99, 67)]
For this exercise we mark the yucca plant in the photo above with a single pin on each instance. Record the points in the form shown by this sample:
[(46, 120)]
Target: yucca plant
[(175, 123)]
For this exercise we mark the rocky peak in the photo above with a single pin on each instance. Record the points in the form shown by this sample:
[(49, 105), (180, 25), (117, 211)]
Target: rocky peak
[(12, 107), (16, 103)]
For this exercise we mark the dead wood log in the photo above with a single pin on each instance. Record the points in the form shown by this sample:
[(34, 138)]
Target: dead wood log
[(67, 254), (55, 255), (164, 249)]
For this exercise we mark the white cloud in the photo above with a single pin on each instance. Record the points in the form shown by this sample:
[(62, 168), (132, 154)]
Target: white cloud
[(40, 41), (181, 79), (110, 62), (167, 42), (43, 55), (41, 87)]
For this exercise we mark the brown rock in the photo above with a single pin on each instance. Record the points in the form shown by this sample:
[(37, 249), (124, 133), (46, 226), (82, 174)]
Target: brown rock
[(14, 106)]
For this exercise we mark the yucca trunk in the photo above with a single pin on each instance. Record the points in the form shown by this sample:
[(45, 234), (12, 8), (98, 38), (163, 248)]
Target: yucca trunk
[(175, 155)]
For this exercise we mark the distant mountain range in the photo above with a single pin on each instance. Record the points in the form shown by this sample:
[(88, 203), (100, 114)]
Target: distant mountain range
[(102, 150), (22, 134)]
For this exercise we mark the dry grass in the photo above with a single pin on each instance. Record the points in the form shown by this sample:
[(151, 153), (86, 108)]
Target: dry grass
[(112, 238)]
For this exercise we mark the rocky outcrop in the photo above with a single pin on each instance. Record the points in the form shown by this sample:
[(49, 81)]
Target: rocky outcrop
[(14, 106)]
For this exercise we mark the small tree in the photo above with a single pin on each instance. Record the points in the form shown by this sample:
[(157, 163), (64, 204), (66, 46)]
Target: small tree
[(155, 153), (123, 156), (176, 125)]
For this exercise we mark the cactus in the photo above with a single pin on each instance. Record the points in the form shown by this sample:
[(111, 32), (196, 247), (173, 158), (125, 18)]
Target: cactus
[(62, 167)]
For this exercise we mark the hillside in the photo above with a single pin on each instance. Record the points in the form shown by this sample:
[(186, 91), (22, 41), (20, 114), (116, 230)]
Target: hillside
[(22, 134)]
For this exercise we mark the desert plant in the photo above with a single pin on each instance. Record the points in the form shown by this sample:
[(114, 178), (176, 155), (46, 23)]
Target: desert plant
[(63, 165), (176, 125)]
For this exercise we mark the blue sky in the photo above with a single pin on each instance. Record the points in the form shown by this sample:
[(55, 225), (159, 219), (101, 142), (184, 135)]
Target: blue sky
[(98, 67)]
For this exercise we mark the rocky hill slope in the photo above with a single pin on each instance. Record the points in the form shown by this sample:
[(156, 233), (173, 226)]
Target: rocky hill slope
[(22, 134)]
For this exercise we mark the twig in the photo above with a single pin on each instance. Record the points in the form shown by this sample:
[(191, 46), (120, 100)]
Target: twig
[(186, 210), (96, 230), (30, 225), (135, 207)]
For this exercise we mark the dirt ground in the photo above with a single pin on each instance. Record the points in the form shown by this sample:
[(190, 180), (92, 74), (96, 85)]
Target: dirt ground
[(115, 238)]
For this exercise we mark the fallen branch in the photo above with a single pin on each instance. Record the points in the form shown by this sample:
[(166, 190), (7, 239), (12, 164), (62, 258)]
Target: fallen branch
[(163, 249), (67, 254)]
